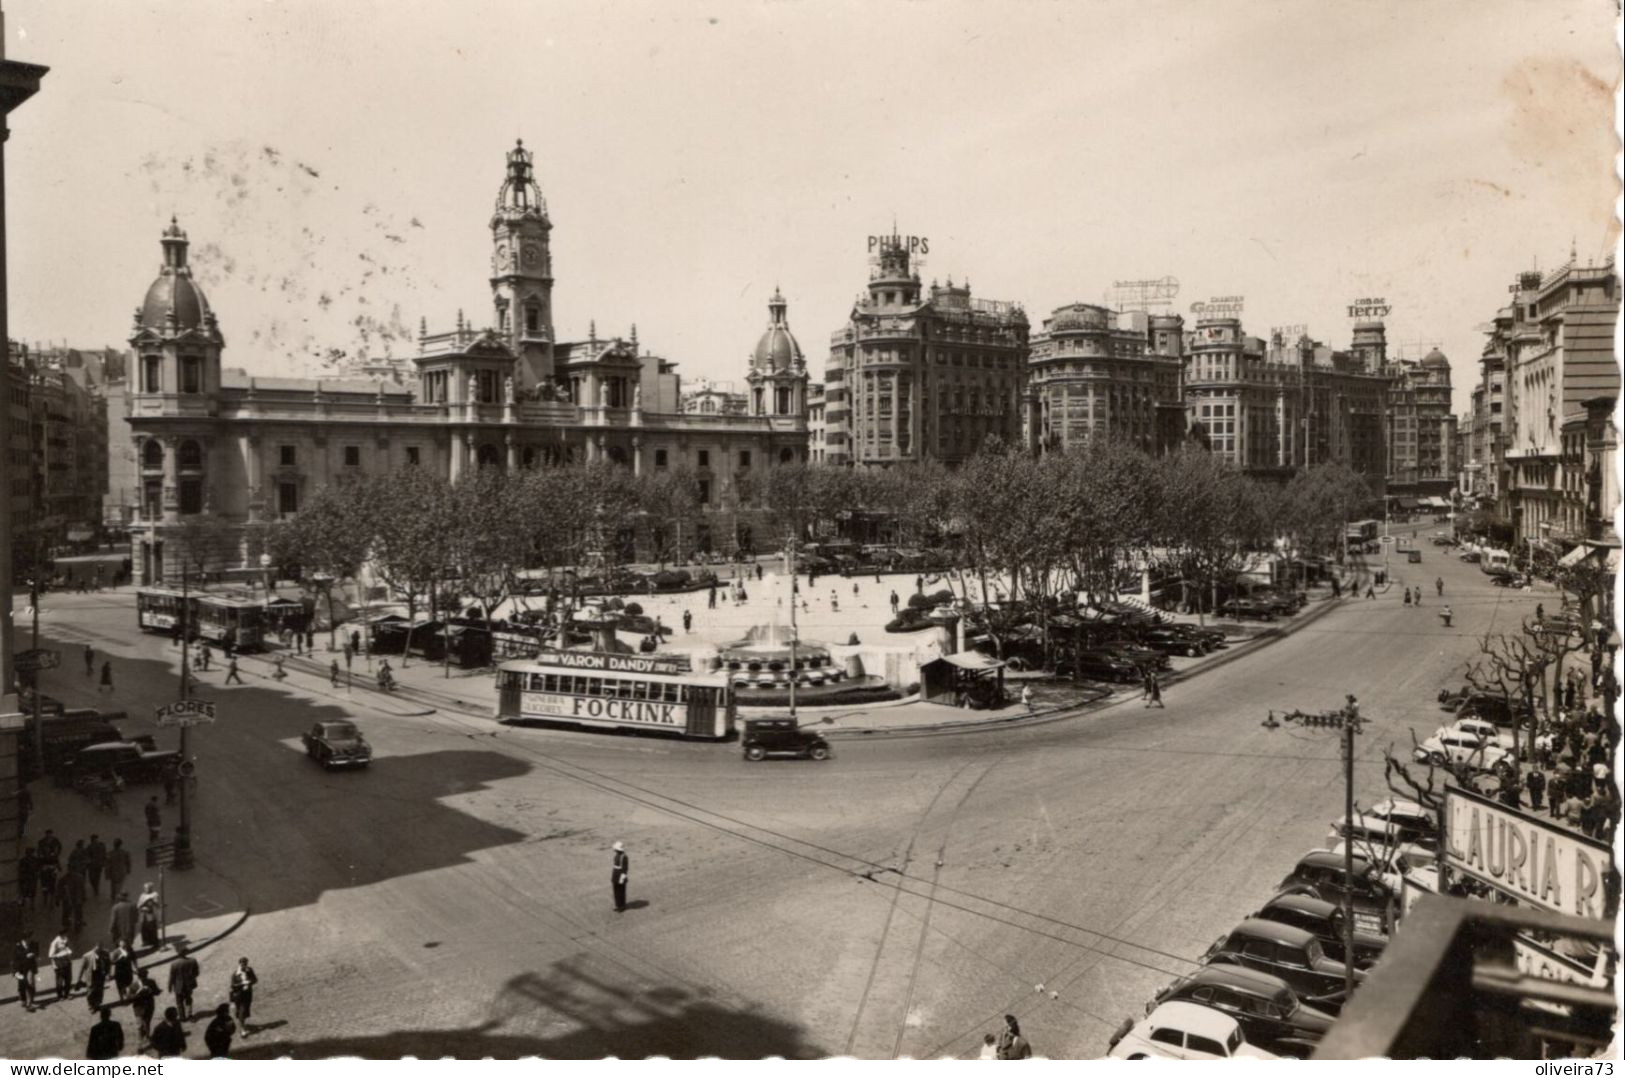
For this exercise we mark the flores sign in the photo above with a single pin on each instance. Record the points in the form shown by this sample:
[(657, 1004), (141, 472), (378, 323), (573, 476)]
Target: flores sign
[(185, 713), (1525, 857)]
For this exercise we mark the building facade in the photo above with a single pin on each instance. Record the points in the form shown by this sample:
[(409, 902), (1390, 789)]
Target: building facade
[(1274, 408), (1421, 427), (1557, 338), (58, 454), (916, 374), (250, 449), (1097, 373)]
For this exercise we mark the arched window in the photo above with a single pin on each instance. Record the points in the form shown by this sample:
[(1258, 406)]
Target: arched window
[(488, 457), (708, 406), (529, 457), (786, 455), (152, 456), (190, 457), (533, 318)]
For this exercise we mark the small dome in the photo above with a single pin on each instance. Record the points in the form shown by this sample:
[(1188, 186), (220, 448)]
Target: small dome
[(174, 293), (1435, 358), (778, 349)]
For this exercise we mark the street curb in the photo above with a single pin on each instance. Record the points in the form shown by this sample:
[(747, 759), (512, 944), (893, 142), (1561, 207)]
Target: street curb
[(321, 674), (1067, 711), (191, 948)]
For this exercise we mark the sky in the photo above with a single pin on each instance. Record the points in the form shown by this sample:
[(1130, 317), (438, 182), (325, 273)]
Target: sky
[(335, 163)]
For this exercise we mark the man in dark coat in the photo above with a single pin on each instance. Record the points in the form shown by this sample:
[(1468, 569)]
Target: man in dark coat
[(155, 818), (168, 1038), (49, 847), (620, 869), (106, 1039), (95, 863), (72, 887), (183, 975), (142, 1005), (121, 920), (217, 1035), (118, 867)]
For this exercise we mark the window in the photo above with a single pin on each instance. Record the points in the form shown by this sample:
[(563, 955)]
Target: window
[(744, 458), (413, 457), (287, 499), (1204, 1044), (786, 455), (352, 456), (1165, 1035), (287, 456), (151, 374), (533, 318), (705, 458), (152, 456), (152, 492), (660, 458), (1264, 952), (704, 491), (191, 499), (191, 374), (191, 457)]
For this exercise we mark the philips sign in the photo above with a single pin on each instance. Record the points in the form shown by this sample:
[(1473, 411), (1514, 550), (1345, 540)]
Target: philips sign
[(914, 245)]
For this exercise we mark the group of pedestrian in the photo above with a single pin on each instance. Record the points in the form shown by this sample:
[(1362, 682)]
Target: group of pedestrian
[(1008, 1043), (46, 878), (168, 1038)]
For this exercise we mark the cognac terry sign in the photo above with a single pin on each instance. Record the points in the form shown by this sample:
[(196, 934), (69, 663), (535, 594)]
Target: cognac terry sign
[(1524, 857), (1370, 307)]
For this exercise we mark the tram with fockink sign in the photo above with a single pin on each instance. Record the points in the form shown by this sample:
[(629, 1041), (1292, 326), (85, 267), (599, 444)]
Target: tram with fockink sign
[(617, 691)]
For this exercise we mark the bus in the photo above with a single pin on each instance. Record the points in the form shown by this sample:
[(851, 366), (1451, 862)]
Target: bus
[(616, 691), (1362, 533), (232, 619), (159, 610)]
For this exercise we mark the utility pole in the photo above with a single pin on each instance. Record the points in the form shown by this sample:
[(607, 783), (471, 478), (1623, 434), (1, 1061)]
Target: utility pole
[(1351, 726), (795, 632), (183, 833)]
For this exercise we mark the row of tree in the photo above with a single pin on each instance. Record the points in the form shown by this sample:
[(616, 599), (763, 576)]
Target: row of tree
[(1006, 523)]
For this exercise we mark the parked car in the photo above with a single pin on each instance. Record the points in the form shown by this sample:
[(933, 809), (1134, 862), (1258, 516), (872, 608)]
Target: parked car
[(1167, 639), (1491, 707), (1483, 728), (1269, 1013), (1320, 874), (1471, 557), (1405, 821), (65, 733), (1212, 635), (1101, 665), (1292, 954), (1414, 556), (1563, 624), (1247, 608), (781, 737), (1323, 920), (1140, 656), (1461, 748), (131, 761), (1180, 1030), (337, 744)]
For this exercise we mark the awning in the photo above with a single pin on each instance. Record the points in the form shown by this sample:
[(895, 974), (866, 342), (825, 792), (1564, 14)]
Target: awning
[(972, 660), (1573, 557), (1610, 556)]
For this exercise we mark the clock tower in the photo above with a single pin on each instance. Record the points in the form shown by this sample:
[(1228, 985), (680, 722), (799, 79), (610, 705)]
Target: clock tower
[(522, 270)]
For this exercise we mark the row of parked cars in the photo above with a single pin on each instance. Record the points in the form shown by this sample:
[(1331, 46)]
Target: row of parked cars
[(1275, 983), (81, 746), (1127, 657), (1264, 605)]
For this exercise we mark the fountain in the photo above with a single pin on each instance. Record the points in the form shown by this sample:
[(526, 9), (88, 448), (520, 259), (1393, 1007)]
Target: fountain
[(763, 664)]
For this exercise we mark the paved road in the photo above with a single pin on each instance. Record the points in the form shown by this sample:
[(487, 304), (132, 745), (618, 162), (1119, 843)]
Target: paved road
[(896, 900)]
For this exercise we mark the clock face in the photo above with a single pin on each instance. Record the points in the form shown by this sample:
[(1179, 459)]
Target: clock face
[(533, 256)]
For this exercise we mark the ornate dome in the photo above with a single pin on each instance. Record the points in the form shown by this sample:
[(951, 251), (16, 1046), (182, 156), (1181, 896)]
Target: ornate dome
[(1435, 358), (175, 303), (778, 349)]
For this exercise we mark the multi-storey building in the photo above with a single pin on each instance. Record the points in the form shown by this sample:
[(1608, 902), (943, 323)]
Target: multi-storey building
[(59, 454), (1097, 373), (815, 423), (1557, 339), (251, 449), (1421, 427), (1274, 408), (917, 374)]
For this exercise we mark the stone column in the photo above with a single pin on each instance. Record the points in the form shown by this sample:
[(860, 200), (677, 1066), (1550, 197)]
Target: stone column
[(171, 494), (637, 455), (456, 456), (513, 453), (255, 469)]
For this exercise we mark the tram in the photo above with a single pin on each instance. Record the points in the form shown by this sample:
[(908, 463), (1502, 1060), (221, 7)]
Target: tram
[(230, 619), (615, 691), (159, 610)]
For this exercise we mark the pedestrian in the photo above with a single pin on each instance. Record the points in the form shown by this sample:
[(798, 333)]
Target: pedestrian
[(123, 960), (1370, 592), (990, 1047), (298, 643), (175, 634), (95, 864), (1573, 808), (231, 672), (183, 975), (1540, 611), (107, 678), (148, 911), (333, 674), (1438, 585), (25, 968), (1027, 697), (711, 600), (217, 1034), (243, 980), (1012, 1045), (1536, 781), (919, 586), (76, 857), (279, 673), (310, 640), (854, 587), (94, 969), (203, 657), (72, 889), (1447, 616), (894, 603), (168, 1039), (155, 818), (834, 600), (355, 642), (1407, 596), (106, 1040), (27, 878), (688, 622), (1417, 599), (349, 654), (1155, 689), (142, 1004), (61, 956), (619, 870), (758, 570), (90, 662), (47, 883)]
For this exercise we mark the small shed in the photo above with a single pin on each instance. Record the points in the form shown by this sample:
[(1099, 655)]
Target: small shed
[(963, 677)]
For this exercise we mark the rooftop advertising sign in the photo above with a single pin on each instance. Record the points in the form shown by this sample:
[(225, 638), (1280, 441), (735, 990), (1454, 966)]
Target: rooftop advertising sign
[(1219, 307), (1370, 307)]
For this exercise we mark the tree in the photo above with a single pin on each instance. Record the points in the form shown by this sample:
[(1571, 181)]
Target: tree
[(406, 521), (669, 499), (487, 544), (201, 537), (1210, 518), (329, 539)]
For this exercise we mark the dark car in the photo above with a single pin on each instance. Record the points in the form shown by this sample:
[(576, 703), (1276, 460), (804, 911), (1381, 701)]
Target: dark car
[(1325, 922), (1270, 1014), (1247, 608), (1292, 954), (1167, 639), (1491, 707), (781, 737), (1134, 653), (131, 761), (1103, 666), (1413, 555), (337, 744), (1319, 874)]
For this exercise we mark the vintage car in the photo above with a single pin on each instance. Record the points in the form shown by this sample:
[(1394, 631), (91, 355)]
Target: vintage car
[(1180, 1030), (1270, 1014), (1323, 920), (131, 761), (1292, 954), (781, 737), (1101, 665), (1457, 748), (337, 744), (1320, 874)]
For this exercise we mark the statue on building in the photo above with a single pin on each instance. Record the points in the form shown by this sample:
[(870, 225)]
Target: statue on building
[(473, 388), (637, 396), (507, 389)]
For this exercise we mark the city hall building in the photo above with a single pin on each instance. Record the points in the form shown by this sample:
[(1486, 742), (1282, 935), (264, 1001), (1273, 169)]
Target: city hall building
[(250, 449)]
